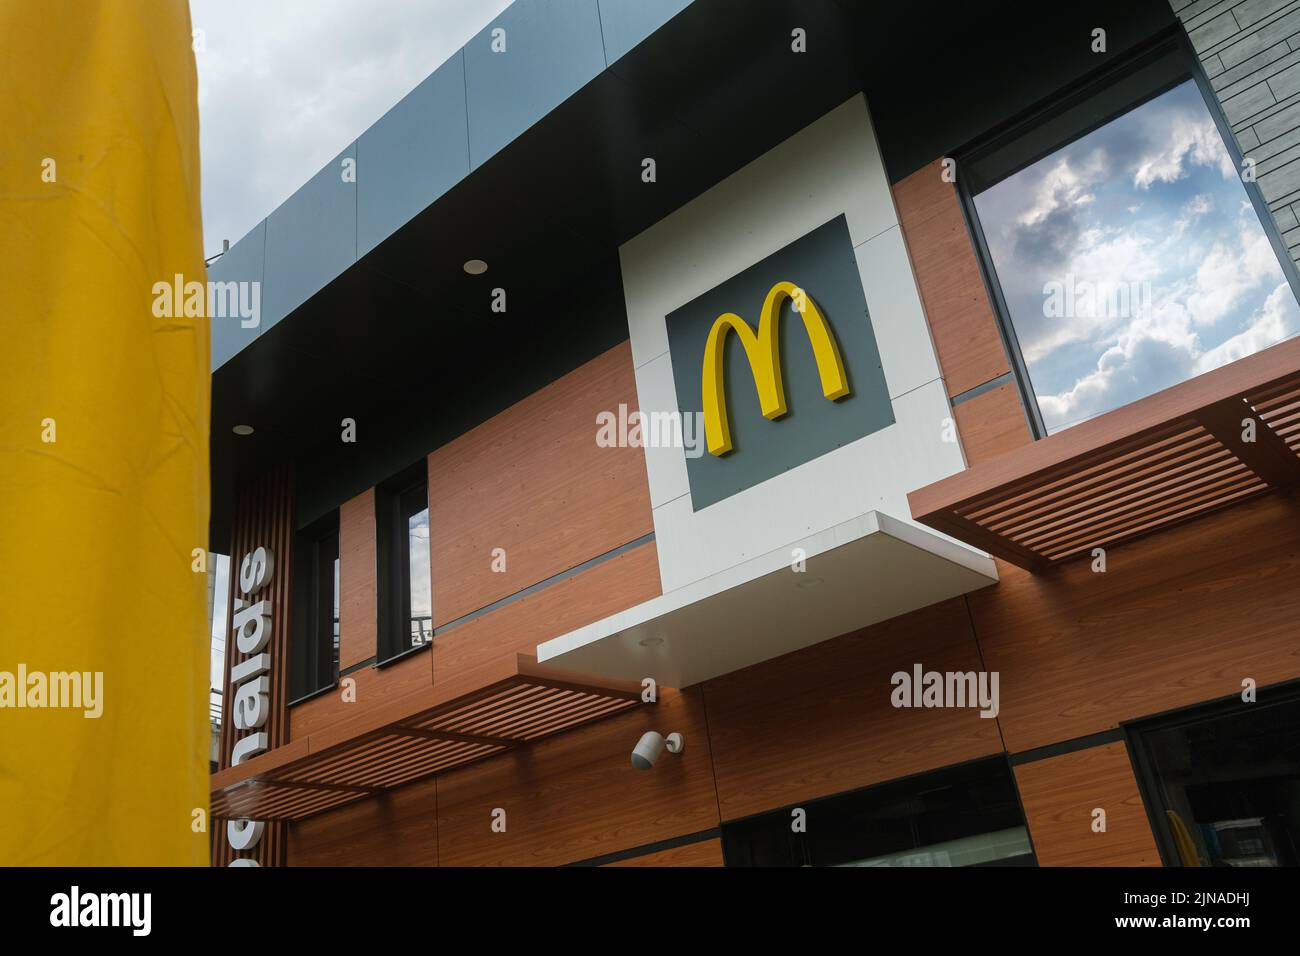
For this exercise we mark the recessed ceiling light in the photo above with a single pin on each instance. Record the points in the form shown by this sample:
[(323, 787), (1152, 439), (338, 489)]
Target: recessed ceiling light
[(651, 641), (475, 267), (243, 429)]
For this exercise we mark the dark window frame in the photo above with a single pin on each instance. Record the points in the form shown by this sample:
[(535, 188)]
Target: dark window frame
[(1144, 768), (313, 665), (1169, 51), (393, 559), (736, 853)]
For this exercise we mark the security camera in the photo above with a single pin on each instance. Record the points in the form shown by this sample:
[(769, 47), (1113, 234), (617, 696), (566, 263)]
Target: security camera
[(651, 745)]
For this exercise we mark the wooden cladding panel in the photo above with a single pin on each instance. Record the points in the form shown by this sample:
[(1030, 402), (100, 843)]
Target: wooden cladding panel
[(1060, 794), (704, 853), (992, 424), (1175, 619), (533, 482), (391, 829), (373, 685), (820, 721), (357, 588), (962, 324), (264, 517), (518, 627), (576, 796)]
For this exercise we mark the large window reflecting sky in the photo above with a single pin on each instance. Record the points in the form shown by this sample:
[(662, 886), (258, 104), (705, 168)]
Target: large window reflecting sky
[(1132, 259)]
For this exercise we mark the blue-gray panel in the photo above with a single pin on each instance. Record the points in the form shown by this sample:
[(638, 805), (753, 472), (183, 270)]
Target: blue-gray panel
[(823, 265), (626, 23), (310, 240), (414, 154), (242, 263), (552, 49)]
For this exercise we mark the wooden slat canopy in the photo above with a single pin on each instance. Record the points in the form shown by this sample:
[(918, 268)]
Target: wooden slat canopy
[(1163, 460), (450, 724)]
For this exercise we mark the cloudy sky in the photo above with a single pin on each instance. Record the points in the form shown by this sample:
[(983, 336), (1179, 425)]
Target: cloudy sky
[(1132, 260), (284, 85)]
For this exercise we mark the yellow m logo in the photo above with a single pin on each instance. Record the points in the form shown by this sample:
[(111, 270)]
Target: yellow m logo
[(764, 353)]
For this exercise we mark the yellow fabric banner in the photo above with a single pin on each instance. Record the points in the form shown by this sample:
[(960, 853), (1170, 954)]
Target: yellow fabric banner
[(103, 439)]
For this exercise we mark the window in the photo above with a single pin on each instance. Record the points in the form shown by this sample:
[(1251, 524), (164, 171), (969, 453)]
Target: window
[(1222, 782), (218, 627), (962, 816), (1123, 248), (405, 582), (314, 661)]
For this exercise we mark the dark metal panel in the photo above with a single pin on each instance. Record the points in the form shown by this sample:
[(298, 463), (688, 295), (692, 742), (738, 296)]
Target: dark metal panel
[(822, 263), (243, 263), (414, 154), (310, 239), (552, 49), (625, 23)]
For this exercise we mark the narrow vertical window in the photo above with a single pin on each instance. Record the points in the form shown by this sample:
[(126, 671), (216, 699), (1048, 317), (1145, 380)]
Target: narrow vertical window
[(314, 661), (405, 583)]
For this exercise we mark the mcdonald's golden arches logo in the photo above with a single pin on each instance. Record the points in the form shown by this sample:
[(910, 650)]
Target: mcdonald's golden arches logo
[(763, 351)]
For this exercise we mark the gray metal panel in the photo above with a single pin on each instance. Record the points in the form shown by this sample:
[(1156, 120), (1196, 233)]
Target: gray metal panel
[(553, 49), (243, 262), (310, 239), (414, 154), (625, 23), (1256, 44), (822, 263)]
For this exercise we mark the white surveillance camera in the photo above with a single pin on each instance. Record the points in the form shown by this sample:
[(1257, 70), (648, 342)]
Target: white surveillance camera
[(651, 745)]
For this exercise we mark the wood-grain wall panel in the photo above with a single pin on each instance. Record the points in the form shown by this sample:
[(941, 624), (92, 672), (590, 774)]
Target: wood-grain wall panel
[(358, 621), (992, 424), (1178, 617), (399, 828), (704, 853), (264, 517), (576, 796), (518, 627), (372, 685), (1060, 794), (820, 721), (962, 324), (533, 482)]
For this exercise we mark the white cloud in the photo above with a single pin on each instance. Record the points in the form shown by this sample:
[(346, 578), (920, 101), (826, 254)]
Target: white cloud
[(1191, 141), (1164, 342), (1064, 185), (1227, 275), (1278, 319)]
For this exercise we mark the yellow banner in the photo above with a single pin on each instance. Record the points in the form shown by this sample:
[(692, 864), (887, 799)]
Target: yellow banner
[(103, 439)]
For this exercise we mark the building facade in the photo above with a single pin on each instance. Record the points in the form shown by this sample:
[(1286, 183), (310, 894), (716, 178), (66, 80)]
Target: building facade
[(900, 405)]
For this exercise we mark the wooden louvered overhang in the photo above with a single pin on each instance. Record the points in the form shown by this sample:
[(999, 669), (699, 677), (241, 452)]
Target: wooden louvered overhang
[(1163, 460), (510, 703)]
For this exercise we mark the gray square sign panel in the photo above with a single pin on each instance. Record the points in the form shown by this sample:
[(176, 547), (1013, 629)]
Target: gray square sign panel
[(822, 265)]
